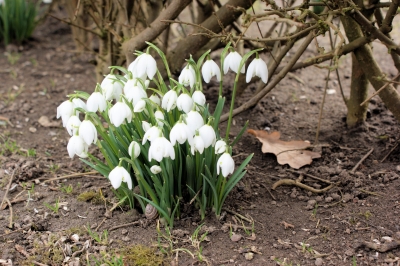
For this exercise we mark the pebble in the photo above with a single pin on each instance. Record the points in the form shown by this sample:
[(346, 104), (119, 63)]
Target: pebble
[(126, 238), (328, 199), (32, 129), (398, 168), (236, 237), (249, 255), (319, 262), (124, 231)]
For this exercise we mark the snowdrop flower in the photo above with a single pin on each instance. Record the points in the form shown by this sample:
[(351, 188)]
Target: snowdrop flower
[(111, 88), (77, 146), (65, 111), (119, 175), (207, 133), (226, 164), (88, 132), (118, 113), (140, 106), (159, 117), (180, 132), (220, 147), (96, 102), (134, 92), (161, 148), (151, 134), (258, 68), (155, 169), (210, 69), (155, 99), (146, 126), (232, 61), (79, 103), (187, 76), (134, 149), (197, 145), (184, 103), (144, 65), (169, 100), (199, 98), (194, 120), (73, 124)]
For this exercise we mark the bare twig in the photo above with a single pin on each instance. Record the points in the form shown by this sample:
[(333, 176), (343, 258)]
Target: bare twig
[(380, 89), (390, 152), (239, 215), (380, 247), (76, 25), (3, 118), (124, 225), (362, 160), (290, 182), (87, 174), (10, 225), (272, 196), (8, 188)]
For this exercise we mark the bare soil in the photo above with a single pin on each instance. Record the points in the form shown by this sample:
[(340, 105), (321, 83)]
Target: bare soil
[(291, 226)]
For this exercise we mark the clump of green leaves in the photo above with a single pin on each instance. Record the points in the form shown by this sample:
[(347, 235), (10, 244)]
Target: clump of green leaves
[(17, 20)]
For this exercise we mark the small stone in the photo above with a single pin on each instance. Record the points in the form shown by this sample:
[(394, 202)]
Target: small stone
[(126, 238), (249, 255), (319, 262), (328, 199), (124, 231), (236, 237), (32, 129), (273, 202), (398, 168)]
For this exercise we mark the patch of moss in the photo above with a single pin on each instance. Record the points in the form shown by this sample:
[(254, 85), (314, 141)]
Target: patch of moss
[(140, 255), (92, 196)]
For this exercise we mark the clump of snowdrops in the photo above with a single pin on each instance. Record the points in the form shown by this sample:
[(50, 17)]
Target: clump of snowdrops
[(163, 140)]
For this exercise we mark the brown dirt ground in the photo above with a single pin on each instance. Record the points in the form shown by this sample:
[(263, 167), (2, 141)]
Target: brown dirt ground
[(364, 206)]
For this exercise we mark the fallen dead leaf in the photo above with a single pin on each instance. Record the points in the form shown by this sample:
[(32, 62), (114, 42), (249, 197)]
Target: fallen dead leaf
[(45, 122), (287, 152)]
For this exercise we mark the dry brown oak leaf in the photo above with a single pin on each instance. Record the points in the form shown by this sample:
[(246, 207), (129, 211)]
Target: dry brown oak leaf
[(287, 152)]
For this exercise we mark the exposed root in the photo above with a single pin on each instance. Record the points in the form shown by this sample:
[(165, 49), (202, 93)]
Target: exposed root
[(297, 182)]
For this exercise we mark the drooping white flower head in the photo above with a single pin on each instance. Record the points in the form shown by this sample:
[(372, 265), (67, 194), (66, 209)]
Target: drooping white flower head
[(134, 91), (161, 148), (184, 103), (96, 101), (155, 99), (169, 100), (119, 175), (111, 88), (118, 113), (258, 68), (232, 61), (180, 132), (194, 120), (151, 134), (159, 117), (155, 169), (199, 98), (76, 145), (226, 164), (73, 124), (197, 145), (220, 146), (207, 133), (187, 76), (146, 126), (143, 66), (210, 69), (140, 106), (134, 149), (65, 111), (88, 132), (79, 103)]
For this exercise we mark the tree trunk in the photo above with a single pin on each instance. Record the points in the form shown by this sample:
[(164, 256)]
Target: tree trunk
[(357, 114), (371, 69), (193, 43)]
